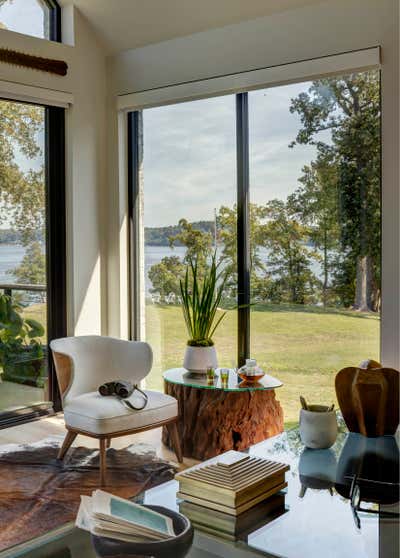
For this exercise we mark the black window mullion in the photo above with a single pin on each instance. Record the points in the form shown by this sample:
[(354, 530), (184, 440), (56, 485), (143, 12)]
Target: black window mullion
[(243, 229), (54, 20), (55, 237), (133, 232)]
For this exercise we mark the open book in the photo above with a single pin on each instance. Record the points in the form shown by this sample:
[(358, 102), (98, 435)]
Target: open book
[(106, 515)]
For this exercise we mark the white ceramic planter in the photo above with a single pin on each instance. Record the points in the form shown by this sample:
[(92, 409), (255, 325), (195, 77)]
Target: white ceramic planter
[(198, 359), (318, 430)]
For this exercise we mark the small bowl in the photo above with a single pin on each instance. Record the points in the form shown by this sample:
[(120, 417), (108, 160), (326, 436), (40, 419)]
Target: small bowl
[(177, 546), (253, 379)]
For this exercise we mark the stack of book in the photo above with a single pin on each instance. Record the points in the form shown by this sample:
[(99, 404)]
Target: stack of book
[(233, 527), (106, 515), (239, 488)]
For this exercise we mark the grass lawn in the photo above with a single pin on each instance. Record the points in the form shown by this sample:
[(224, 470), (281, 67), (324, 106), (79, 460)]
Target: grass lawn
[(303, 347), (37, 312)]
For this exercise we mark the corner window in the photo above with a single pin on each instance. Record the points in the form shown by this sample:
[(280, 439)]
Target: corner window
[(299, 233), (37, 18)]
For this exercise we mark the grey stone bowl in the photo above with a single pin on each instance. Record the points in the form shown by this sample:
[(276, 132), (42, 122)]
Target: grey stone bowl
[(318, 427), (176, 547)]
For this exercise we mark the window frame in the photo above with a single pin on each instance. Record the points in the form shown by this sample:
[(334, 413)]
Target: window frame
[(55, 33), (146, 99), (56, 257)]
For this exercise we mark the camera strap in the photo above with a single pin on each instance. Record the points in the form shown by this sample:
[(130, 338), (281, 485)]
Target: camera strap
[(129, 405)]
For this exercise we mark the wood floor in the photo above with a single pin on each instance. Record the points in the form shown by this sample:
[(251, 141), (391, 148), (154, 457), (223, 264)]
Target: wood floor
[(54, 426)]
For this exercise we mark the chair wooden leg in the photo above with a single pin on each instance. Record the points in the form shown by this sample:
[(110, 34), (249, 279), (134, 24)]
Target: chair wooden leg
[(69, 438), (176, 443), (103, 463), (108, 444)]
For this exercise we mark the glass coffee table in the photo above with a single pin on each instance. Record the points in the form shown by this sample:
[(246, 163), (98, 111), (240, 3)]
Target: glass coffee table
[(317, 520), (215, 416)]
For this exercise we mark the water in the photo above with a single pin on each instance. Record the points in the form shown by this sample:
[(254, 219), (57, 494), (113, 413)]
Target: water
[(10, 257), (154, 254)]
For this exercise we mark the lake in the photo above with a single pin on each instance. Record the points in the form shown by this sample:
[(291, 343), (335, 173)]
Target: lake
[(11, 256)]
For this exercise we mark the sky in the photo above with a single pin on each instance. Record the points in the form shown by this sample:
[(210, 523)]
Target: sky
[(190, 148), (189, 165), (23, 16)]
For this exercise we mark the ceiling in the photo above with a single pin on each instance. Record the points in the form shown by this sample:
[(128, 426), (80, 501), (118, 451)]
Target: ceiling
[(126, 24)]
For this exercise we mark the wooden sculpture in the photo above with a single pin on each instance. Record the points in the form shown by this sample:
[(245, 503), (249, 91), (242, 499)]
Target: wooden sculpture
[(368, 396)]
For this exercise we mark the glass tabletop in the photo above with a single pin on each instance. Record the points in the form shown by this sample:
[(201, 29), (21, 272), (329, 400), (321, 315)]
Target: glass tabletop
[(183, 377), (316, 520)]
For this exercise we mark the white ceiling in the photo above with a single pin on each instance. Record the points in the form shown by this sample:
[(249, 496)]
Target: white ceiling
[(125, 24)]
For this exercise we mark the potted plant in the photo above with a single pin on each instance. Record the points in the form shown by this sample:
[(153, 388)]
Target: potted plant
[(201, 295), (22, 355)]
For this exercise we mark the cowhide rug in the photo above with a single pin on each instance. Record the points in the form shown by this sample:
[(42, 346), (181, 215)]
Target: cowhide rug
[(38, 493)]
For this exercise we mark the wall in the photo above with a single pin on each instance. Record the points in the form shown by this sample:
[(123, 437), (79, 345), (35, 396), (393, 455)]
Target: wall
[(309, 32), (85, 155)]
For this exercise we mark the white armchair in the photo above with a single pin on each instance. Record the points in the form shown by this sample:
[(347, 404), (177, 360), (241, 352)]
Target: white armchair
[(82, 365)]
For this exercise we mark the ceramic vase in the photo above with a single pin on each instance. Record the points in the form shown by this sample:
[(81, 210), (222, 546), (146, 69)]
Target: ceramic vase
[(318, 427), (198, 359)]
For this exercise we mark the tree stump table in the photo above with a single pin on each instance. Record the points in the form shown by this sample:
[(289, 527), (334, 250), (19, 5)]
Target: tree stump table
[(217, 417)]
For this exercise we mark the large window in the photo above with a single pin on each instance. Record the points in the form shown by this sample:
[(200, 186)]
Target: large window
[(315, 217), (39, 18), (188, 194), (32, 254), (294, 213)]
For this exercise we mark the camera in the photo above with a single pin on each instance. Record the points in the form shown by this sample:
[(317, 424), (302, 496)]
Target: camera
[(120, 388)]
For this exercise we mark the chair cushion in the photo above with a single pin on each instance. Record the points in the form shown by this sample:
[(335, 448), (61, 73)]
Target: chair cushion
[(94, 413)]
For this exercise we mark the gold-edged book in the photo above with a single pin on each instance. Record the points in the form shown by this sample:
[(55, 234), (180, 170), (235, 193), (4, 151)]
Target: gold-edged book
[(231, 510), (235, 485), (235, 526)]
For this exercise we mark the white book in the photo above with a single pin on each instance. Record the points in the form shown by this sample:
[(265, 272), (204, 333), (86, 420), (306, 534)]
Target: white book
[(106, 515), (109, 507)]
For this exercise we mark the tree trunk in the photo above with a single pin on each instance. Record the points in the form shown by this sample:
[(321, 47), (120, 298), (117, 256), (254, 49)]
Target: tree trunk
[(325, 285), (364, 281)]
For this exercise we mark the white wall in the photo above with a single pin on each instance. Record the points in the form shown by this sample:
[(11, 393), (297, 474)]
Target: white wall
[(309, 32), (85, 155)]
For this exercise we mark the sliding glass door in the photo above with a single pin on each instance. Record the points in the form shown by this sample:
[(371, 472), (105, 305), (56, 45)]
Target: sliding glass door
[(286, 187), (32, 251)]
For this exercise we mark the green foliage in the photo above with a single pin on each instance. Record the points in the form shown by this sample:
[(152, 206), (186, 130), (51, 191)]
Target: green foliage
[(160, 236), (315, 204), (21, 194), (289, 256), (21, 352), (349, 106), (198, 244), (201, 297), (227, 239), (32, 269), (166, 276)]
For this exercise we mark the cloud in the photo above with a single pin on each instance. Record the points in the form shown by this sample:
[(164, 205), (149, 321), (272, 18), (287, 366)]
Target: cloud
[(190, 154)]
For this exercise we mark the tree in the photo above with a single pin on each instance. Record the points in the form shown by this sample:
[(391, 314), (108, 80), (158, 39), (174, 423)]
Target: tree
[(290, 258), (166, 275), (32, 269), (21, 194), (227, 238), (198, 243), (349, 107), (315, 203)]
